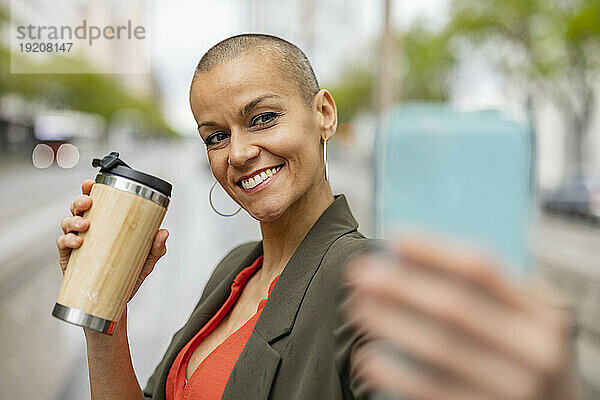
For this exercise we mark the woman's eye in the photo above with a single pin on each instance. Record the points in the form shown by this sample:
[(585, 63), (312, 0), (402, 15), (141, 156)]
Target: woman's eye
[(216, 138), (263, 119)]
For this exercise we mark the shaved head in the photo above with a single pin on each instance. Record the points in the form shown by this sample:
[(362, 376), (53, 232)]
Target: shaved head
[(288, 59)]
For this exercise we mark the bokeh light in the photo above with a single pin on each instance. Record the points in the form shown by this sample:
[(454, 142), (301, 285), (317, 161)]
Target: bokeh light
[(67, 156), (42, 156)]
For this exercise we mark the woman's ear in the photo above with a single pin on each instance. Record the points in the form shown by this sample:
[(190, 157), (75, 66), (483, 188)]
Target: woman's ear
[(327, 113)]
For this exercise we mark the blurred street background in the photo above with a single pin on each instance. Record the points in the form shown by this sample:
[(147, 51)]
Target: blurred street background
[(536, 62)]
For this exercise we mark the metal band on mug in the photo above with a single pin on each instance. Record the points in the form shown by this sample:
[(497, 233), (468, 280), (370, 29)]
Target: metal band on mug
[(80, 318), (131, 186)]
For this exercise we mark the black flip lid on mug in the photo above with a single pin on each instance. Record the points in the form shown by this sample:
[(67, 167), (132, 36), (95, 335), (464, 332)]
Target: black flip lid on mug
[(112, 164)]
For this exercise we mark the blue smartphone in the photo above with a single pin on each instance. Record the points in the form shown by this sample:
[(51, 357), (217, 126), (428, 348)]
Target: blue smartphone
[(468, 175)]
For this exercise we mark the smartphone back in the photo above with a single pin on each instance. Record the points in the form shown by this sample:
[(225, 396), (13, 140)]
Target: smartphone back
[(463, 174)]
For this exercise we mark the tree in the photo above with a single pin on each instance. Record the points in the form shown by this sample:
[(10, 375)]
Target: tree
[(548, 47), (424, 63), (354, 92)]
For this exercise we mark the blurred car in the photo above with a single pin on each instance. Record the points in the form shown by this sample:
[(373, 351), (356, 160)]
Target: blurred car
[(577, 197)]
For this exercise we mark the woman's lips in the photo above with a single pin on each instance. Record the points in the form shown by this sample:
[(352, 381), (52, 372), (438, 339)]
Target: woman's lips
[(264, 183)]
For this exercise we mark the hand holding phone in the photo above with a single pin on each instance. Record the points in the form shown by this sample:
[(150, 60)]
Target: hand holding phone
[(444, 323), (446, 309)]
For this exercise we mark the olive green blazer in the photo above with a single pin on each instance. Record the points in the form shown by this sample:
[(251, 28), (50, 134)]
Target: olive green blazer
[(300, 347)]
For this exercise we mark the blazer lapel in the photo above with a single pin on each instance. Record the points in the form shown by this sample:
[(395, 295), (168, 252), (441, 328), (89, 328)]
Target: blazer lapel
[(254, 372), (256, 367)]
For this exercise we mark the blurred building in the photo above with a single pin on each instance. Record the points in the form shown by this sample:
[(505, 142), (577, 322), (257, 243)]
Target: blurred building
[(553, 136), (319, 28), (116, 55), (131, 61)]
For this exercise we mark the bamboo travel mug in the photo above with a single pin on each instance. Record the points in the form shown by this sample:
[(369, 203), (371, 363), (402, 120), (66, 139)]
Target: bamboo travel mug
[(127, 209)]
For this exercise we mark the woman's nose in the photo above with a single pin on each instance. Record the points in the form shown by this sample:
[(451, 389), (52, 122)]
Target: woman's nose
[(241, 149)]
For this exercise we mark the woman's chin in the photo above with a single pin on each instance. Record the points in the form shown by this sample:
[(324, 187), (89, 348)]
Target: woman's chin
[(266, 213)]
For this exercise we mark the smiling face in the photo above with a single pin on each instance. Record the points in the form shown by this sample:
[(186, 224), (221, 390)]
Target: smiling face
[(264, 143)]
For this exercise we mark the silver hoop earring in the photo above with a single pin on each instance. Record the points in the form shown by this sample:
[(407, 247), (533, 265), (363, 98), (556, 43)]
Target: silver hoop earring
[(213, 207), (325, 159)]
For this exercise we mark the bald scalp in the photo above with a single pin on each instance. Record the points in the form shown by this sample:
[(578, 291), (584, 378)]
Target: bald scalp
[(291, 62)]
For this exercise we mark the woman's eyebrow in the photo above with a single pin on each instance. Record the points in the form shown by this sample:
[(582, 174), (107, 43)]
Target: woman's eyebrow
[(209, 123), (248, 107)]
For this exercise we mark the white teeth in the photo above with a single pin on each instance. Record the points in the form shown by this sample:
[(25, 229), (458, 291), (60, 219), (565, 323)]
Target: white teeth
[(258, 178)]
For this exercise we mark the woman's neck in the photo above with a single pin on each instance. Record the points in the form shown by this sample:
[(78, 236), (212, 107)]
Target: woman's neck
[(282, 236)]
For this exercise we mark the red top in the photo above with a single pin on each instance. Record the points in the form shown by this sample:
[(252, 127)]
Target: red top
[(208, 381)]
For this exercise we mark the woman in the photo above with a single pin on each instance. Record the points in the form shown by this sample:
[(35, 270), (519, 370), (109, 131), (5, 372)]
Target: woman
[(265, 123), (268, 323)]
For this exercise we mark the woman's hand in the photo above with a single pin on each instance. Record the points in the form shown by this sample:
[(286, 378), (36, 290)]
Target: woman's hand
[(458, 328), (71, 225)]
